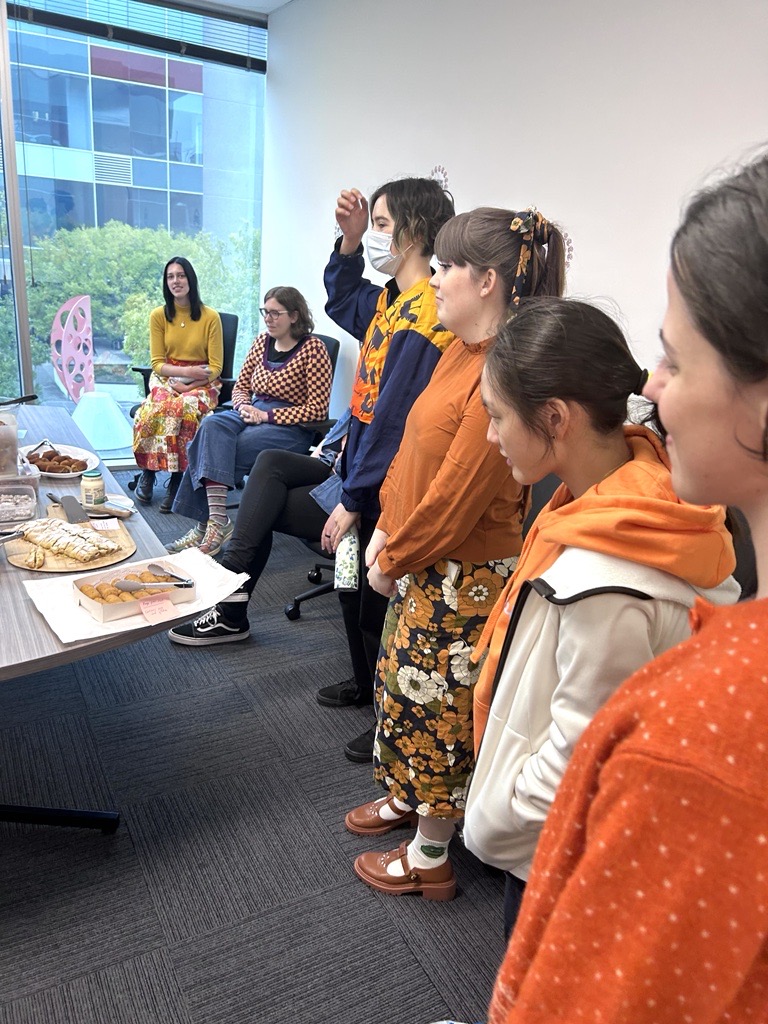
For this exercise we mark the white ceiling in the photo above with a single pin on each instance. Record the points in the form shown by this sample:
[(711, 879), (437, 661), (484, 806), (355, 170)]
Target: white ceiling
[(262, 6), (251, 7)]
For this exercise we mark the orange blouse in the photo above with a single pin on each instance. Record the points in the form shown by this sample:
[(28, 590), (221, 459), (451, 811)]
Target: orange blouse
[(449, 493)]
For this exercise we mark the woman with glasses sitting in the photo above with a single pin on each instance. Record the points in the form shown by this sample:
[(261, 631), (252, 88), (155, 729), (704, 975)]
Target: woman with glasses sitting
[(285, 384)]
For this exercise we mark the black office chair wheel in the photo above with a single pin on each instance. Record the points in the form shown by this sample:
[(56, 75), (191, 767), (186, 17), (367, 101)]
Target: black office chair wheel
[(292, 611), (315, 575)]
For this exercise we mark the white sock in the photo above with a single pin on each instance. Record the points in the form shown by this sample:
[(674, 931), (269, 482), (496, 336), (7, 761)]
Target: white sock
[(422, 853), (389, 813)]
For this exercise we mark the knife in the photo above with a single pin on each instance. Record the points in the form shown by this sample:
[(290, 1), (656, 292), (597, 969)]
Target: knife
[(73, 510)]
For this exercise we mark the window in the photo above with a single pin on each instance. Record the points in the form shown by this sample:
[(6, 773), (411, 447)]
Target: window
[(185, 127), (126, 157), (51, 108), (128, 119), (138, 207), (51, 204)]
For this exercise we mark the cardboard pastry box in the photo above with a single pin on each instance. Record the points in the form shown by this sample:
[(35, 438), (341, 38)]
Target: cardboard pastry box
[(109, 611)]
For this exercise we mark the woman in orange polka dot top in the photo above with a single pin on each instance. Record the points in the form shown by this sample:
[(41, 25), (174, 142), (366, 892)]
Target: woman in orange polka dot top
[(648, 898)]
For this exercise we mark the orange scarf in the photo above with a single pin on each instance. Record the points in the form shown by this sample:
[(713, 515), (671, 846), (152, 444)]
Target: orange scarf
[(633, 514)]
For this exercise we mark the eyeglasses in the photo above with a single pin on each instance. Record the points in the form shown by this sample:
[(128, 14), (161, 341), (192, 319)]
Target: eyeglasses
[(271, 314)]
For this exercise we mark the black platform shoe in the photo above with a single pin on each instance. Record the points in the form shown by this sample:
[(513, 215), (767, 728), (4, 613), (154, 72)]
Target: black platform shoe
[(166, 505), (145, 486)]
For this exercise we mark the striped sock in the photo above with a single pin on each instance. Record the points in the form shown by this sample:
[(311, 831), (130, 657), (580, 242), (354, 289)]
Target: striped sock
[(217, 503)]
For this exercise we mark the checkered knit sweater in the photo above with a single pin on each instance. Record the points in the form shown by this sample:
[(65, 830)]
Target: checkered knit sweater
[(303, 380)]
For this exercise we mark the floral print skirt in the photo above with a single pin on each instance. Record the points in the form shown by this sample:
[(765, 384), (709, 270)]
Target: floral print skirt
[(423, 752)]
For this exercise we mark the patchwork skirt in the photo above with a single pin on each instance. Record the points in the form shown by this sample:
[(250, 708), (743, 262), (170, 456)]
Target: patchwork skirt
[(166, 422)]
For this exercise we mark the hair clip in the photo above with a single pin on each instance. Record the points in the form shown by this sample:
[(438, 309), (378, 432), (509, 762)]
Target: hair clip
[(568, 245), (440, 175), (524, 221)]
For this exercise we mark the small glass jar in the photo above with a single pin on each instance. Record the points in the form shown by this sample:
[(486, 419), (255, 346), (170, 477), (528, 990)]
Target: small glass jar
[(92, 488)]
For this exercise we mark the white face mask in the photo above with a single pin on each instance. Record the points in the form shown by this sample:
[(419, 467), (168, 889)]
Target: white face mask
[(380, 256)]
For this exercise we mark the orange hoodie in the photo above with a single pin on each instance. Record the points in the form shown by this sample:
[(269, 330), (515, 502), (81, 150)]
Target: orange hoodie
[(632, 514)]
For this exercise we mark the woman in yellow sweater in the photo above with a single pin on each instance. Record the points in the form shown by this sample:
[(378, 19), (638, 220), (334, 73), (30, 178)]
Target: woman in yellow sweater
[(186, 351), (449, 529)]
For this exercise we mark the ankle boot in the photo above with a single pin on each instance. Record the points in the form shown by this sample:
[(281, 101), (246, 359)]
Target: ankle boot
[(166, 505), (145, 486)]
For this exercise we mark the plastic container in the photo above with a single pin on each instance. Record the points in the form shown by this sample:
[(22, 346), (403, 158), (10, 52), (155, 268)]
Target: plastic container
[(28, 474), (92, 488), (18, 501), (9, 444)]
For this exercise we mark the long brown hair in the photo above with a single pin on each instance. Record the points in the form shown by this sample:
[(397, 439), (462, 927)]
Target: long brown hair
[(483, 239)]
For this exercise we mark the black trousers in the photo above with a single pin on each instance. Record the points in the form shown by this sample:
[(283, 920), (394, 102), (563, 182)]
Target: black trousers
[(364, 612), (276, 498)]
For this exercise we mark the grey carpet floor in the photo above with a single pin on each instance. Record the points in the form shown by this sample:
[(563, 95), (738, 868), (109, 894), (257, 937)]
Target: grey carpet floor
[(227, 895)]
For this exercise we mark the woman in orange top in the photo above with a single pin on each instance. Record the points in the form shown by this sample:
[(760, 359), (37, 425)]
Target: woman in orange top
[(450, 525)]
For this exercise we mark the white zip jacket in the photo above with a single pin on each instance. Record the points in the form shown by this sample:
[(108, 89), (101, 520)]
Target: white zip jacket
[(575, 635)]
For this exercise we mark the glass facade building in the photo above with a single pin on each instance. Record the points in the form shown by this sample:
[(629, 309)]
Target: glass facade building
[(149, 140)]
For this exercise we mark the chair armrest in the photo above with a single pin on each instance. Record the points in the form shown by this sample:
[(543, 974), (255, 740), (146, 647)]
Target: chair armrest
[(146, 372), (319, 426), (225, 395)]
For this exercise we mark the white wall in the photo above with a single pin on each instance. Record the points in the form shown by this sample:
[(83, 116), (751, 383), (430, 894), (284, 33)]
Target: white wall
[(605, 114)]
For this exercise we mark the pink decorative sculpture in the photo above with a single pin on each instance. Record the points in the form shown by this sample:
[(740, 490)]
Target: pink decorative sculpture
[(72, 346)]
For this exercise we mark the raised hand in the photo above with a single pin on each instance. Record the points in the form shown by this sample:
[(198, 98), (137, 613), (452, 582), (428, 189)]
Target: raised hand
[(352, 218)]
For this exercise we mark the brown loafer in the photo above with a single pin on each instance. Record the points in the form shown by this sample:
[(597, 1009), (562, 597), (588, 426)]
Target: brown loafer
[(366, 821), (433, 883)]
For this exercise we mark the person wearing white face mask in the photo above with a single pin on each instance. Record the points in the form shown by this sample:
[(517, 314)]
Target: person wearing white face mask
[(402, 340)]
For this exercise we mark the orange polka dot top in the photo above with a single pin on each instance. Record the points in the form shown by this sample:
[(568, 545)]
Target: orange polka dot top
[(648, 898)]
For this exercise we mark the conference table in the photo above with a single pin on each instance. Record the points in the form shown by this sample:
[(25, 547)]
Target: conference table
[(28, 643)]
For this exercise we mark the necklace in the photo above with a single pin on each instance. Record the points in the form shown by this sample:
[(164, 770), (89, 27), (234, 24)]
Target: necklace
[(616, 468)]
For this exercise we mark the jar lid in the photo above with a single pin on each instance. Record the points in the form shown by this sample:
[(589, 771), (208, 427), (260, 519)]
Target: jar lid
[(92, 472)]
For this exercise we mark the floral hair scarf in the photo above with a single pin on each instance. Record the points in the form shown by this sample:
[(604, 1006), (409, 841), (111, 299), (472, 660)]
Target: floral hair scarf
[(533, 229)]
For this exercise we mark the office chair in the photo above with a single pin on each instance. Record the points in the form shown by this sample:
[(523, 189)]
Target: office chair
[(540, 495), (229, 325), (315, 575)]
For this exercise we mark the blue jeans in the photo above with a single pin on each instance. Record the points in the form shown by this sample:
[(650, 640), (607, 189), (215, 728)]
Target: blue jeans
[(224, 450)]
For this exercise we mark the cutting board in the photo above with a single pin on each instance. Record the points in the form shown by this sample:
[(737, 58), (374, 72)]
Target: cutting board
[(17, 550)]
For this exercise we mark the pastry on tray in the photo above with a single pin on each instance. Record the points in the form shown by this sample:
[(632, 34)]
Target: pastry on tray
[(67, 539)]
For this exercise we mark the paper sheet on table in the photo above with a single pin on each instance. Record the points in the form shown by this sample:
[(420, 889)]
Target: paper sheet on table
[(55, 600)]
